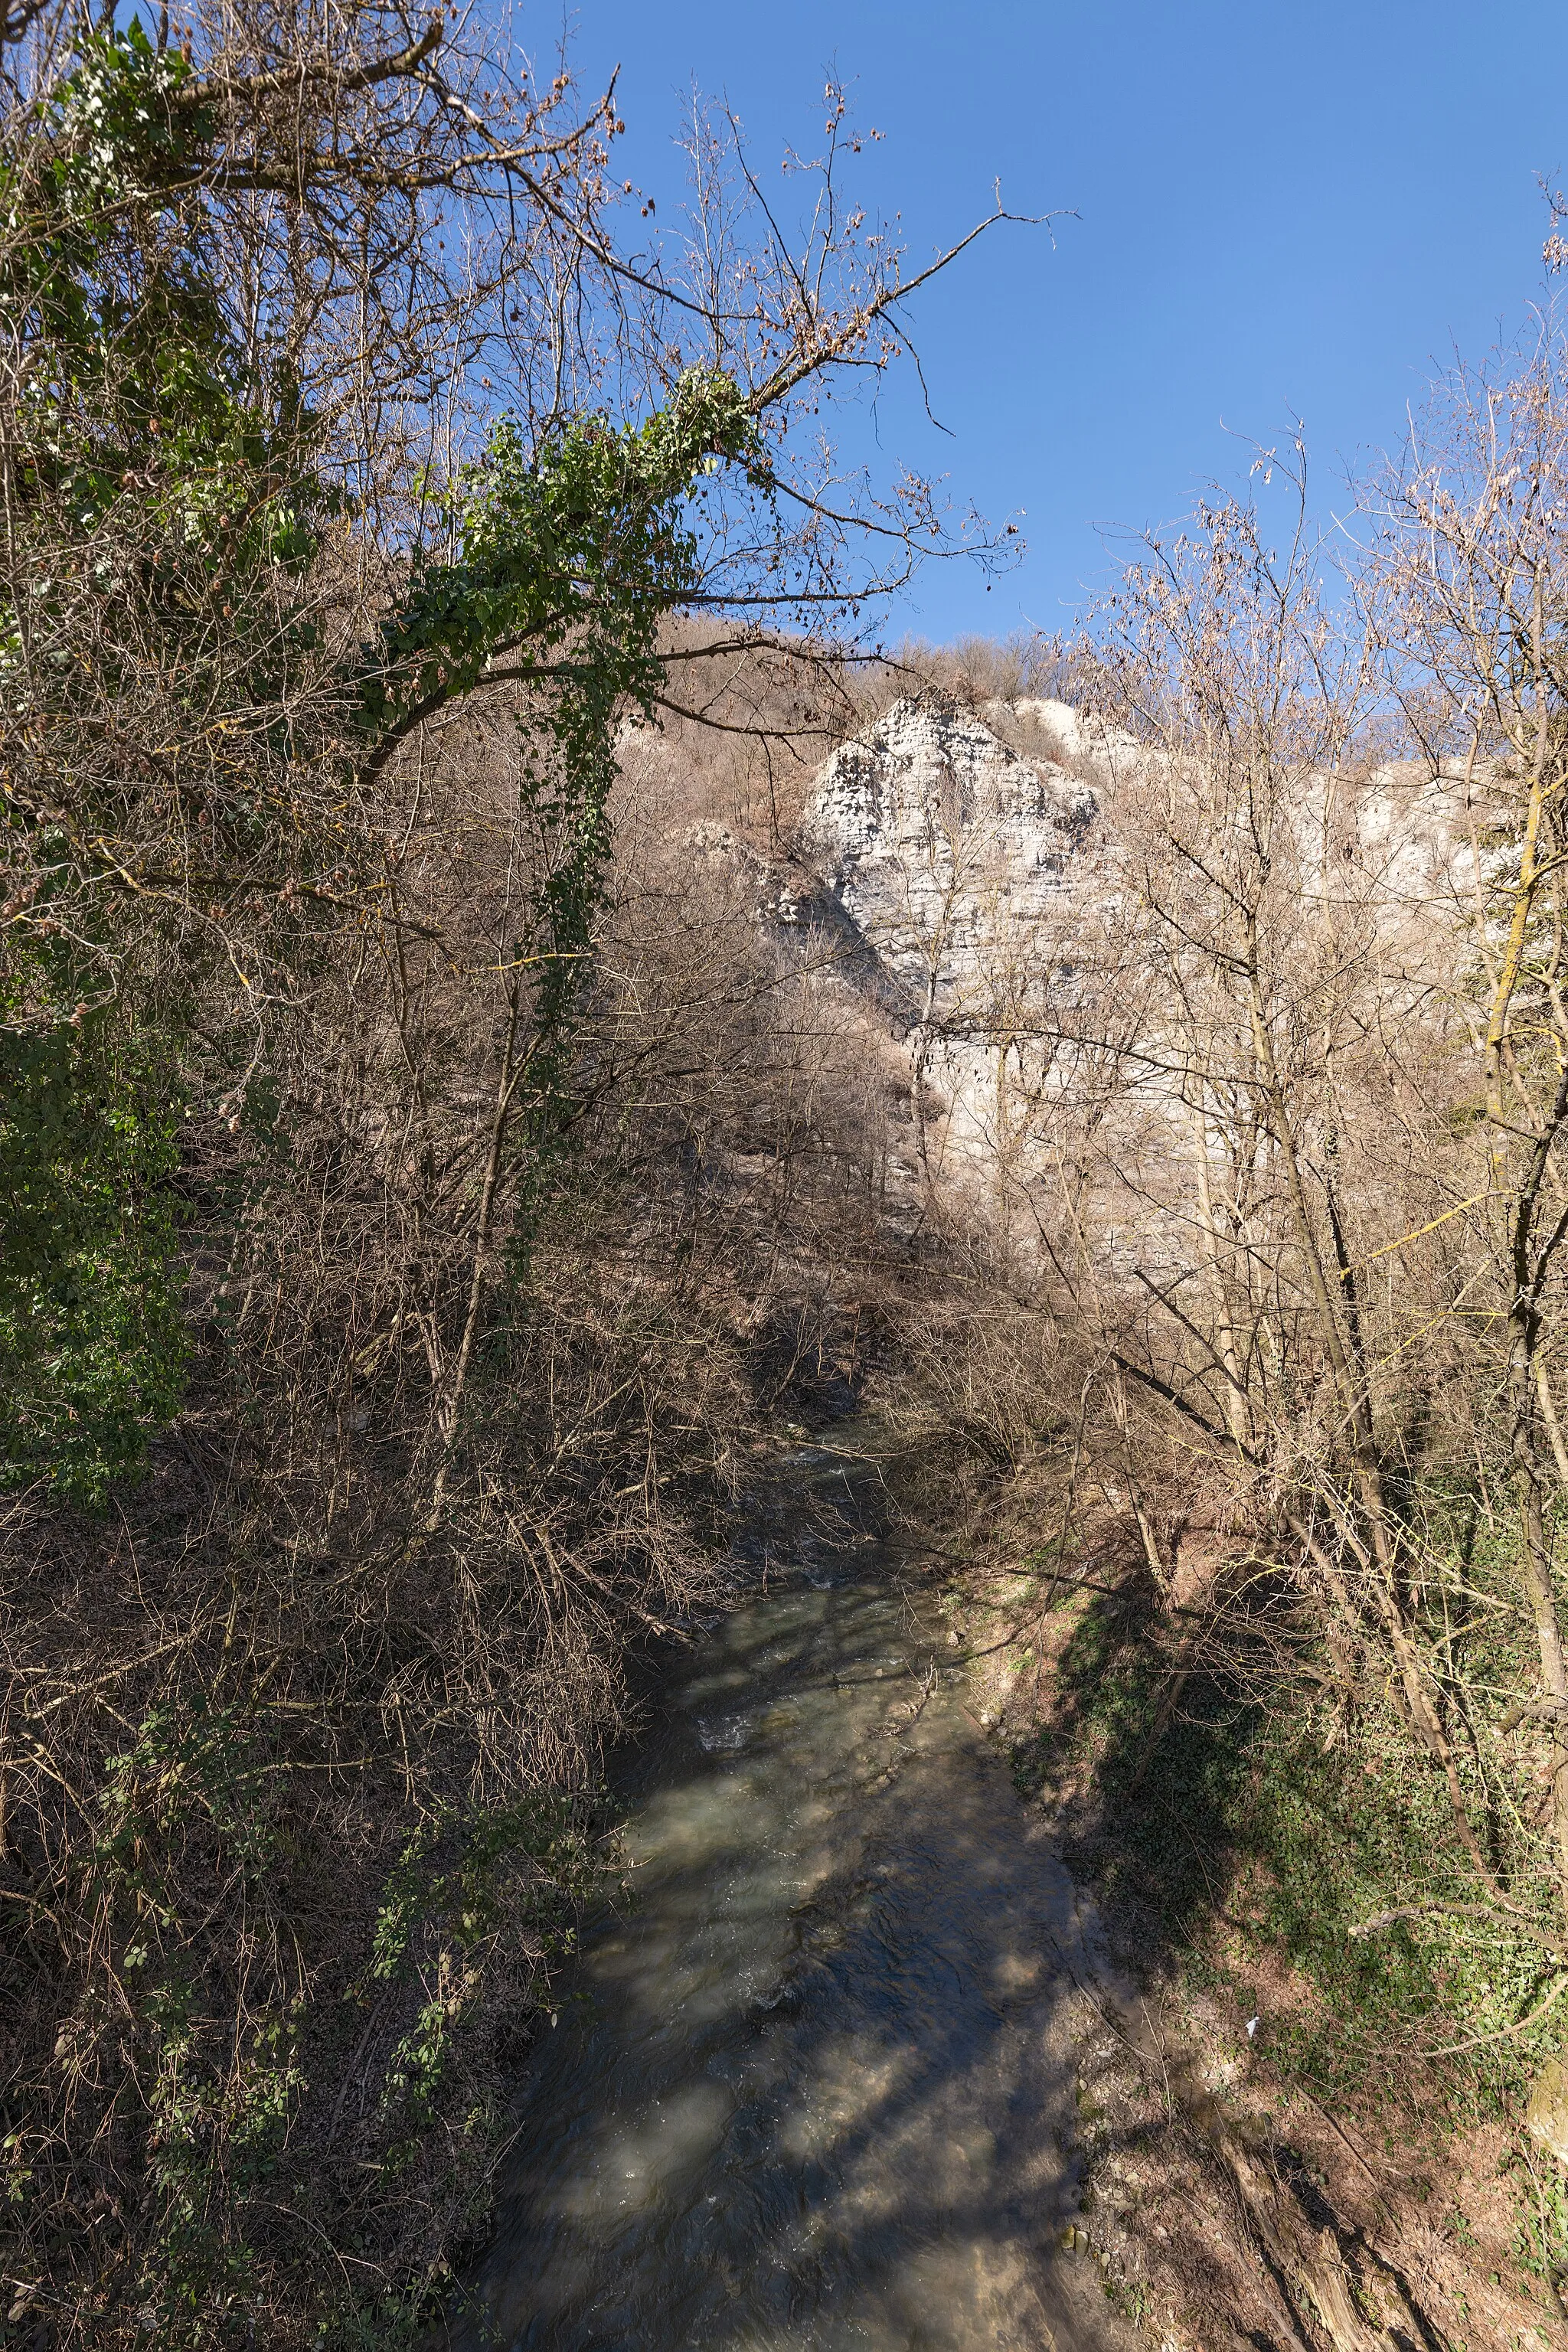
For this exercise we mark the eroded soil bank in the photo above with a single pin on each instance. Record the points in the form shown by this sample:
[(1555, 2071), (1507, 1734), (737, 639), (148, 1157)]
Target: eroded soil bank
[(1236, 2204)]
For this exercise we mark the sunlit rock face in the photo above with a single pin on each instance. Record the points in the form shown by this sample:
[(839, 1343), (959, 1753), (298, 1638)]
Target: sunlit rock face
[(784, 896), (978, 902), (966, 872), (953, 857)]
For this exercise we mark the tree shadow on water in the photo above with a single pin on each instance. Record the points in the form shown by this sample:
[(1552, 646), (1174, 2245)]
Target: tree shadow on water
[(868, 2141)]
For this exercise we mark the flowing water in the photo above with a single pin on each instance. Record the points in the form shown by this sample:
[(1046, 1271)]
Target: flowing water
[(815, 2086)]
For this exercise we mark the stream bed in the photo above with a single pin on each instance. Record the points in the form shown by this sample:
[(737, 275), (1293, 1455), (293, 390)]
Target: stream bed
[(814, 2085)]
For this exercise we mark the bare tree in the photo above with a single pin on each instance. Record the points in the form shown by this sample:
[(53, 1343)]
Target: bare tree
[(1470, 578)]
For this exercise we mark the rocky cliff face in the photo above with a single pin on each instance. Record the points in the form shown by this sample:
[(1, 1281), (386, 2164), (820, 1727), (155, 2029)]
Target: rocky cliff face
[(943, 875), (792, 904), (950, 854), (959, 891)]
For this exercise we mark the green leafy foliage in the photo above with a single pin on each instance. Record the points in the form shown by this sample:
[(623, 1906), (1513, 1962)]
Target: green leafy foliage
[(451, 1870), (93, 1344), (525, 1867), (568, 558), (578, 545), (187, 1762), (215, 2093)]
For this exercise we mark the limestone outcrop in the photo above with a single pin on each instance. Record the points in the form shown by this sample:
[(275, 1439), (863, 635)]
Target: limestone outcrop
[(944, 877), (952, 856), (959, 890)]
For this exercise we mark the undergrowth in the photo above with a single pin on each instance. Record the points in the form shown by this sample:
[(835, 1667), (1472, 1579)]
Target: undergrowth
[(1255, 1836)]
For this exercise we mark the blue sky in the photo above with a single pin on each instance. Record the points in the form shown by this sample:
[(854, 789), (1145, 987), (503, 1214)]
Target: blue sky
[(1280, 209)]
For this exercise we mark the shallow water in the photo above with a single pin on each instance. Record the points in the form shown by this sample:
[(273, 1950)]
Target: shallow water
[(817, 2086)]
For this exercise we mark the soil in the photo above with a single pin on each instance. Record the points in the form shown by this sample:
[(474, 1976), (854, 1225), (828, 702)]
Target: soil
[(1224, 2206)]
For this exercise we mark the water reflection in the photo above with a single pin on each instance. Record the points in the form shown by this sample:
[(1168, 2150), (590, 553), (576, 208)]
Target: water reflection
[(820, 2092)]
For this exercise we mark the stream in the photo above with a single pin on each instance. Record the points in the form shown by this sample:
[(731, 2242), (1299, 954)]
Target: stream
[(814, 2085)]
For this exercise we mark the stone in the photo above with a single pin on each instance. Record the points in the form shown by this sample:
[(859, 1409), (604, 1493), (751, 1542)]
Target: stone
[(958, 895), (946, 849), (964, 869), (1546, 2110)]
